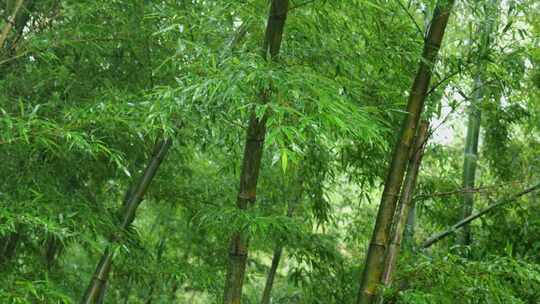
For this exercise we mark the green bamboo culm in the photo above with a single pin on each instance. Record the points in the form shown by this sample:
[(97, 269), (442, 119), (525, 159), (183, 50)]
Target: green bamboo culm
[(251, 163), (475, 117), (374, 265)]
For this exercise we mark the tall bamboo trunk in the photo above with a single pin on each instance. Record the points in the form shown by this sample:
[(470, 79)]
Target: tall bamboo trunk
[(278, 251), (95, 289), (172, 295), (405, 204), (251, 163), (374, 265), (470, 158), (473, 127), (160, 249)]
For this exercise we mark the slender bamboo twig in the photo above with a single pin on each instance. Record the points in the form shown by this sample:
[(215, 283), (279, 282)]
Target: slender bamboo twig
[(419, 30), (441, 235)]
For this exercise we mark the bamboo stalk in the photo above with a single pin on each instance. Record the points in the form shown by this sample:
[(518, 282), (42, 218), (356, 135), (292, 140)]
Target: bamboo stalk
[(11, 20), (405, 204), (9, 246), (251, 163), (470, 160), (276, 257), (99, 280), (278, 251), (374, 264), (473, 127), (408, 234)]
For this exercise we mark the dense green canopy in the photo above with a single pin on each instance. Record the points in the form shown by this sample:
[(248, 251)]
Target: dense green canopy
[(284, 118)]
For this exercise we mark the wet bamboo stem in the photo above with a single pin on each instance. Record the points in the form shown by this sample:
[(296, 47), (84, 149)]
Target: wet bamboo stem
[(374, 265)]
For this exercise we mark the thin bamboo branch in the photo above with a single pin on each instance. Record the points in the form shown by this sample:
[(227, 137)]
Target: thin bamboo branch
[(439, 236), (418, 29), (301, 4), (485, 189)]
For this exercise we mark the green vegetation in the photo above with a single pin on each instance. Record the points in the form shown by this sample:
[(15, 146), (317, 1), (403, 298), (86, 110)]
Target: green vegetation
[(280, 151)]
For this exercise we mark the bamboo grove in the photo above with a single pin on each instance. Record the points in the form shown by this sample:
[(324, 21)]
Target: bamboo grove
[(276, 151)]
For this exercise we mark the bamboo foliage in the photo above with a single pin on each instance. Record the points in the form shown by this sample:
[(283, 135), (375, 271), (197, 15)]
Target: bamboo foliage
[(297, 138), (374, 265), (251, 163)]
